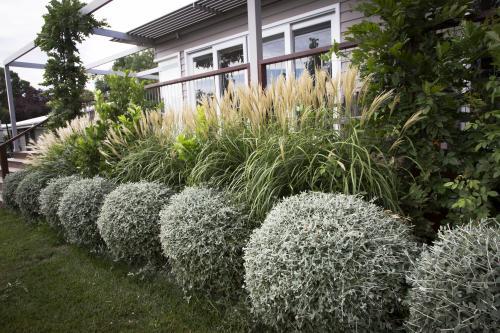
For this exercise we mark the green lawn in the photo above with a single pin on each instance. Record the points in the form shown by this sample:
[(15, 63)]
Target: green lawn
[(49, 286)]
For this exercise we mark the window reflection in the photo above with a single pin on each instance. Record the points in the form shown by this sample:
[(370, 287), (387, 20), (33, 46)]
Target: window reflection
[(229, 57), (310, 38), (204, 87), (274, 46)]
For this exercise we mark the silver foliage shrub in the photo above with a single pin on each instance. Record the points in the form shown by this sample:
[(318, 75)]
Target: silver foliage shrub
[(28, 192), (202, 235), (329, 262), (456, 282), (9, 187), (129, 222), (79, 209), (50, 197)]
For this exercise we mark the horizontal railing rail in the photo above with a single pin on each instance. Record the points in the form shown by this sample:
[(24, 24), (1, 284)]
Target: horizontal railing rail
[(297, 55), (4, 162), (306, 53), (199, 76)]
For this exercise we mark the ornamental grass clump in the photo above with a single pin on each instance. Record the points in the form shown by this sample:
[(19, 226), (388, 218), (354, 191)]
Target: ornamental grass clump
[(329, 262), (129, 222), (456, 282), (28, 192), (79, 209), (202, 234), (9, 187), (50, 197)]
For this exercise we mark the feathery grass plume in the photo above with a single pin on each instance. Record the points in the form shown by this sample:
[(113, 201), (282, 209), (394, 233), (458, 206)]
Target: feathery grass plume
[(416, 117), (121, 138), (48, 140), (380, 100), (55, 152)]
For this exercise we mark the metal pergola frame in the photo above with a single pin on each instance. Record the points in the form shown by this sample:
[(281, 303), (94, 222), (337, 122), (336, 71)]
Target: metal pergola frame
[(140, 43)]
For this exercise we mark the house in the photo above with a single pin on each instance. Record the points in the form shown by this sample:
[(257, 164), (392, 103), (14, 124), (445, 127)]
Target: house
[(212, 35)]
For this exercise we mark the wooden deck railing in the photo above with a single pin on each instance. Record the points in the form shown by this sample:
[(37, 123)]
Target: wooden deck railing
[(154, 90), (4, 162), (200, 76), (263, 80)]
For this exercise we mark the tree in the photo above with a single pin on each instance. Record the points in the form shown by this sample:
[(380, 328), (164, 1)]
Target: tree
[(133, 63), (64, 27), (442, 60), (28, 101)]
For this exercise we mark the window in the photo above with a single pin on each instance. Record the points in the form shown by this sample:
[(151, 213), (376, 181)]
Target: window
[(229, 57), (274, 46), (203, 62), (310, 38), (222, 55)]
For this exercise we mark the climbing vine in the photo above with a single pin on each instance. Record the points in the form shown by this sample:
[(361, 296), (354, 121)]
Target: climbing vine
[(65, 27)]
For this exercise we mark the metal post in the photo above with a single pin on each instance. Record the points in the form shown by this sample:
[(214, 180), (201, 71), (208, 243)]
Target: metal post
[(254, 39), (12, 109)]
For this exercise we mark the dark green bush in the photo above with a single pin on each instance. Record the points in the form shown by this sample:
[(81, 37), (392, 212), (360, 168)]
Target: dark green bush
[(444, 68)]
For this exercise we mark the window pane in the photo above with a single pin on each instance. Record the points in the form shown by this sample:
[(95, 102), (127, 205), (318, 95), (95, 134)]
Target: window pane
[(203, 87), (310, 38), (229, 57), (203, 63), (274, 46)]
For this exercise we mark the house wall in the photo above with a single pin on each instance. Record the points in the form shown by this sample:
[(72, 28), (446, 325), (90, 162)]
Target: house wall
[(349, 16), (213, 29)]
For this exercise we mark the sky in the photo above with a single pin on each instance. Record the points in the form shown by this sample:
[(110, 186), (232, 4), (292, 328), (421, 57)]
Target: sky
[(22, 19)]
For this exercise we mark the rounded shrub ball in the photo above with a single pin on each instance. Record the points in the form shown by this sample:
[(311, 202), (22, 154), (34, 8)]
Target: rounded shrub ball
[(28, 192), (9, 187), (50, 197), (129, 222), (202, 235), (456, 282), (328, 262), (79, 209)]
